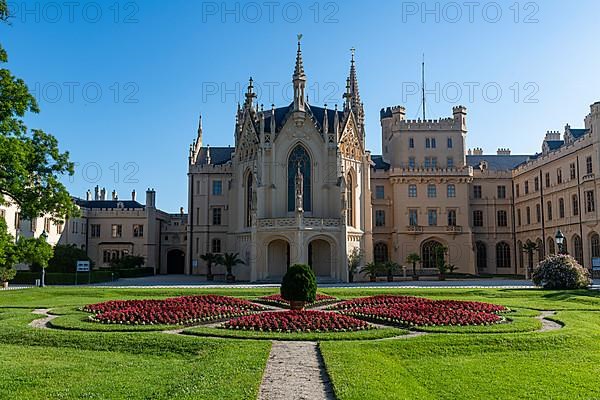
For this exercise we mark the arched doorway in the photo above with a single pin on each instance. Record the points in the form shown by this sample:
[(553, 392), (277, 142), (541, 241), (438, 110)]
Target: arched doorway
[(175, 262), (278, 258), (428, 253), (319, 257)]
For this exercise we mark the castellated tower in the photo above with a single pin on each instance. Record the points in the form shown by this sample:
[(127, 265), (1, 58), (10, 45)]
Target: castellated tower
[(420, 143)]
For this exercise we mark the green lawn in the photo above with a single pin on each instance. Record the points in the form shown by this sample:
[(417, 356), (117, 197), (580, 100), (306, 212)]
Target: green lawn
[(503, 361)]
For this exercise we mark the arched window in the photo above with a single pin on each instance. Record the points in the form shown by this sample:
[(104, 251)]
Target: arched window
[(540, 249), (380, 252), (481, 256), (299, 159), (578, 249), (350, 200), (551, 248), (503, 255), (249, 195), (595, 245), (429, 252)]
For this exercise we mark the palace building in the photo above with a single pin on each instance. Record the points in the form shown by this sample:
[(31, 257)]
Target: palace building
[(298, 185)]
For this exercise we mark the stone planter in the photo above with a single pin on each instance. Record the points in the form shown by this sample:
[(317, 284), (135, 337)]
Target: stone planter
[(373, 279), (5, 285), (390, 278), (297, 305), (230, 278)]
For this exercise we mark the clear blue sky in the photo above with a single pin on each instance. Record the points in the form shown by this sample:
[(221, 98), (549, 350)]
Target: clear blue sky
[(159, 63)]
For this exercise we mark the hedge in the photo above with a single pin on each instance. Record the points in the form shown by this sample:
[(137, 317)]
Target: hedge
[(134, 272), (60, 278)]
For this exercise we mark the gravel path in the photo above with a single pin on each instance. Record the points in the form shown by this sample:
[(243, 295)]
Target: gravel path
[(548, 325), (295, 371), (42, 322)]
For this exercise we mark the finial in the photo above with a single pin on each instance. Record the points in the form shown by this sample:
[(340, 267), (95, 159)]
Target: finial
[(352, 50)]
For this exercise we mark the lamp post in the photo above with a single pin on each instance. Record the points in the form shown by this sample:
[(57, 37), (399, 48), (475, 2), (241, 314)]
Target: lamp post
[(44, 237), (560, 239)]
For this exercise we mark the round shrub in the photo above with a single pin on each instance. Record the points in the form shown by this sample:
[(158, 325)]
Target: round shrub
[(299, 284), (561, 272)]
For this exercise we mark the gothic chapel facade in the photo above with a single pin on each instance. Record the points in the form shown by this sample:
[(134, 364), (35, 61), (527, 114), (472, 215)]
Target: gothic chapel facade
[(294, 189)]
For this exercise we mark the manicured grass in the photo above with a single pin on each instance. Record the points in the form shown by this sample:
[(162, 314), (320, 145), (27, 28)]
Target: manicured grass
[(313, 336), (512, 362)]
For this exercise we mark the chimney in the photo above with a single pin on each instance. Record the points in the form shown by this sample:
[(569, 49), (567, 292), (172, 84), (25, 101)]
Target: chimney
[(88, 195), (96, 193), (115, 196), (150, 198), (552, 135), (477, 151), (103, 194), (133, 195), (503, 152)]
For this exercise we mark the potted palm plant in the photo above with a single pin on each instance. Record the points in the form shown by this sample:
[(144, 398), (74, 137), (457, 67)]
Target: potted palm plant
[(391, 267), (414, 258), (230, 260), (210, 259), (371, 270)]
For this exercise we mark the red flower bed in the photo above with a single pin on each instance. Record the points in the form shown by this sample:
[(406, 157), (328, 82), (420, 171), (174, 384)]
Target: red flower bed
[(279, 301), (171, 311), (297, 321), (417, 311)]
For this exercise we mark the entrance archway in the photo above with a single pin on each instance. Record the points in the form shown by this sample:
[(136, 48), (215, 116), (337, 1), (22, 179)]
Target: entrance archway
[(278, 258), (175, 262), (319, 257)]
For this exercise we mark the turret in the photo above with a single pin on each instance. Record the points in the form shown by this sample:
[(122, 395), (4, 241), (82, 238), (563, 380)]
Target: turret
[(460, 116)]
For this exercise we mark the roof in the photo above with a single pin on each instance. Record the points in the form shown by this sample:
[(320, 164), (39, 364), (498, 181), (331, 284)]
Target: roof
[(379, 163), (131, 204), (554, 144), (497, 162), (218, 155), (577, 133), (318, 114)]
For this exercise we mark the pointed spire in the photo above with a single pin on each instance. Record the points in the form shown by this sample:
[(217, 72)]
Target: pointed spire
[(354, 80), (299, 80), (299, 69), (325, 121), (273, 122), (199, 137), (250, 95)]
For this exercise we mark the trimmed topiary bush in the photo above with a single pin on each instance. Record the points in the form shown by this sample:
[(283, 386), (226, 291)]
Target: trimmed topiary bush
[(299, 284), (561, 272)]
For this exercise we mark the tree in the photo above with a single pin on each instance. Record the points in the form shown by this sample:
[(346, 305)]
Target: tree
[(35, 251), (210, 259), (31, 163), (8, 254), (230, 260), (299, 286), (65, 258), (414, 258), (354, 260)]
